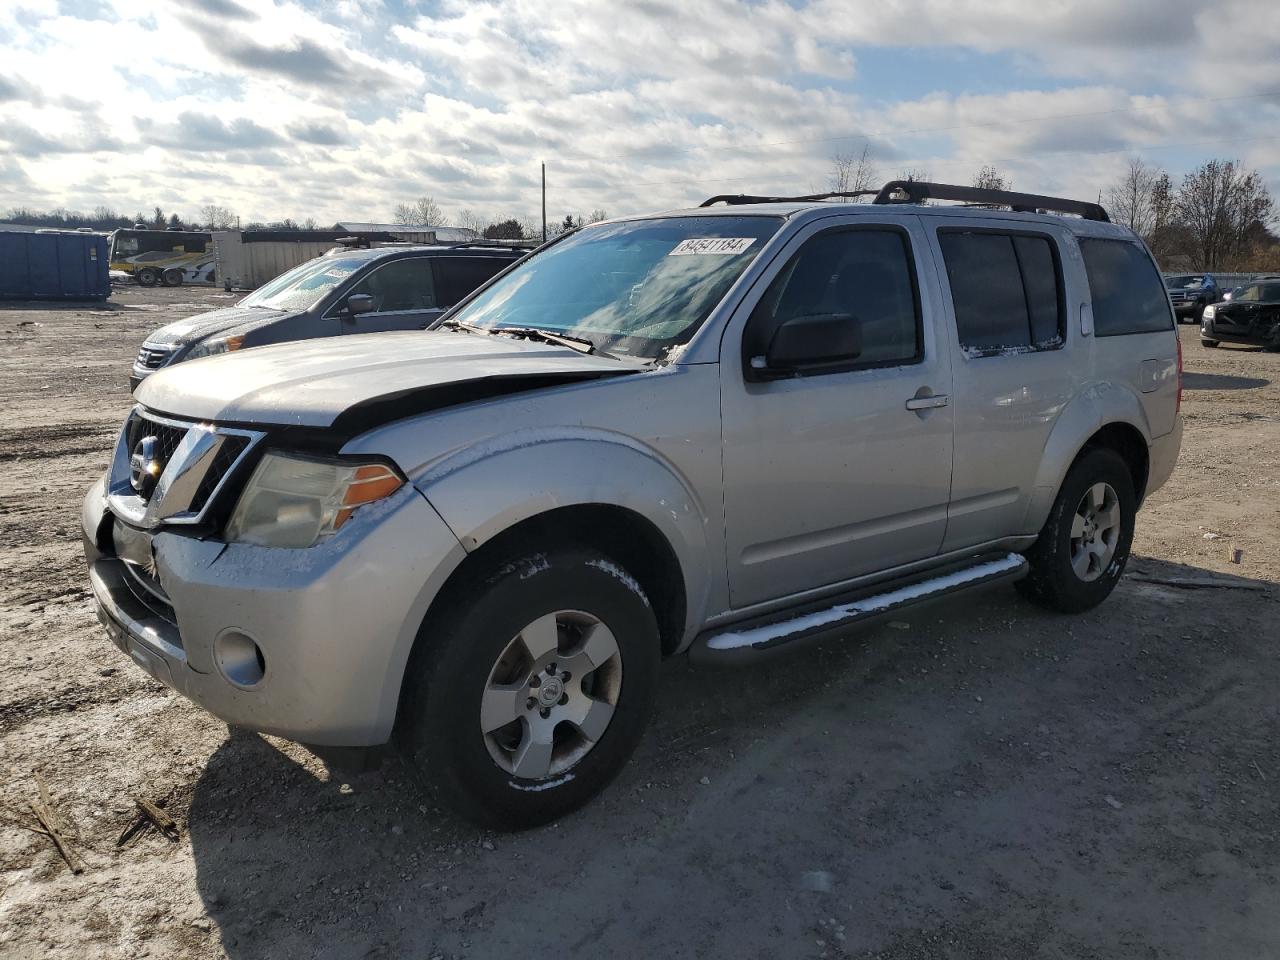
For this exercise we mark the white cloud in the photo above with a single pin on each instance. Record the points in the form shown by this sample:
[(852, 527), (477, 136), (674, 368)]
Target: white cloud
[(340, 111)]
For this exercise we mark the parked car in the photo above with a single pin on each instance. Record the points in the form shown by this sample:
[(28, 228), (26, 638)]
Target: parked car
[(1251, 316), (724, 431), (342, 292), (1237, 290), (1191, 293)]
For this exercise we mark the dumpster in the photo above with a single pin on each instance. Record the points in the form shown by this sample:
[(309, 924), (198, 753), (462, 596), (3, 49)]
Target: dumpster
[(53, 265)]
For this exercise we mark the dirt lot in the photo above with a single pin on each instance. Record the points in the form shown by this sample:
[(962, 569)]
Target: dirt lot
[(984, 781)]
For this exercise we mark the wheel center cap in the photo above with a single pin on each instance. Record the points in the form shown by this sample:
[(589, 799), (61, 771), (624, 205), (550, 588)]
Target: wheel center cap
[(550, 691)]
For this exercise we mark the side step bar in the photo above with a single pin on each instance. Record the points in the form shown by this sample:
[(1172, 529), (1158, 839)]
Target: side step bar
[(751, 641)]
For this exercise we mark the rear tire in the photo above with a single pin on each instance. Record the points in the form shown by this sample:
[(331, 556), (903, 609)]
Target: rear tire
[(1082, 549), (477, 726), (173, 277), (147, 277), (1211, 344)]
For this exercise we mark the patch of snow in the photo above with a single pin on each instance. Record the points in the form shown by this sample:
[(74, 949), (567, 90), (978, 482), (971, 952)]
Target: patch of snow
[(628, 581), (540, 786), (733, 639)]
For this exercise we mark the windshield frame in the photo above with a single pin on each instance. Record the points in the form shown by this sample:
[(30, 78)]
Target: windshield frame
[(761, 252), (314, 266)]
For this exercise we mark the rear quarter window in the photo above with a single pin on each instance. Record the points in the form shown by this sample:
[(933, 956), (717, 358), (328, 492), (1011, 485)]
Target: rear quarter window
[(456, 277), (1127, 292)]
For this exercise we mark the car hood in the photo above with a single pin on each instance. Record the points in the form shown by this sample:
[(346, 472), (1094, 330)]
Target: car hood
[(226, 320), (354, 382)]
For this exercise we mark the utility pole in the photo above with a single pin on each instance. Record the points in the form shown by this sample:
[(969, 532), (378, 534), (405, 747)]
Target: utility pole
[(544, 201)]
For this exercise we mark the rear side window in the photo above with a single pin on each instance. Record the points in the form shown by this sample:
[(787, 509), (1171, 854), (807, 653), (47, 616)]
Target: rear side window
[(1128, 295), (1006, 289), (458, 276)]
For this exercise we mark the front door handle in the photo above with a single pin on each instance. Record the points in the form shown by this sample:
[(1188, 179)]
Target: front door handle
[(928, 403)]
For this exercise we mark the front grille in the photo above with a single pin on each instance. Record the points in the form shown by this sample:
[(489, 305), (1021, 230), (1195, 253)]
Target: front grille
[(167, 435), (153, 358), (223, 461), (193, 461)]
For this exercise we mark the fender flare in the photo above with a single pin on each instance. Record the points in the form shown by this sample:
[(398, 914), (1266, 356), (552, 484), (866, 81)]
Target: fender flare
[(1098, 405), (472, 490)]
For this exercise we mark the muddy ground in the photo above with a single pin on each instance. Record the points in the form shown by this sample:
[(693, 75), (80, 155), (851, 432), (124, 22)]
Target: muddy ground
[(987, 780)]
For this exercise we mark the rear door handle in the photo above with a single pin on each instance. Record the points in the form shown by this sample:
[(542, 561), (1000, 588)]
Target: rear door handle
[(928, 403)]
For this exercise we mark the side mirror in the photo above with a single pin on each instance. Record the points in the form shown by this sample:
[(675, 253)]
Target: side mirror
[(359, 303), (812, 341)]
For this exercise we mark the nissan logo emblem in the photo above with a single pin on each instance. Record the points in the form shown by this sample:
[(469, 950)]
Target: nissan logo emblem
[(144, 466)]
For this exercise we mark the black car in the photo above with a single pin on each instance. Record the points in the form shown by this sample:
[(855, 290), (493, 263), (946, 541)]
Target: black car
[(343, 292), (1190, 293), (1251, 316)]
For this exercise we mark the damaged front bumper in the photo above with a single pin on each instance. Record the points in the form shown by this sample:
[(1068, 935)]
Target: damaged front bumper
[(308, 644)]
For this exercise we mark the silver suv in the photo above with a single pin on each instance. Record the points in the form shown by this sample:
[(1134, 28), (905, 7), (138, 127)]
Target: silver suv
[(724, 431)]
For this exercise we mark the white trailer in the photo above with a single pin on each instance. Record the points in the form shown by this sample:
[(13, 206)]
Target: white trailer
[(246, 259)]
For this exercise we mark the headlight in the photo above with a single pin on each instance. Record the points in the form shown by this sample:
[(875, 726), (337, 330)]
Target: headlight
[(1209, 312), (295, 501), (213, 345)]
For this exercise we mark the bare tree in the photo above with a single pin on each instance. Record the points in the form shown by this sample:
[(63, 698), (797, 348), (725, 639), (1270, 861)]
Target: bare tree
[(989, 178), (1132, 200), (851, 172), (1222, 208), (215, 217), (310, 224), (595, 216), (472, 220), (422, 212)]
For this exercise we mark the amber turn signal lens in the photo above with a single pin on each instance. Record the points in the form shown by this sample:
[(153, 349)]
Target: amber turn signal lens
[(371, 482)]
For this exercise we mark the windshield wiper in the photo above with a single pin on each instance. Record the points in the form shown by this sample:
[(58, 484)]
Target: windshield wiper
[(469, 327), (581, 344)]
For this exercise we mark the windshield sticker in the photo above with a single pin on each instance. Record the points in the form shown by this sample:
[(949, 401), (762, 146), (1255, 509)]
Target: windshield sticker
[(704, 245)]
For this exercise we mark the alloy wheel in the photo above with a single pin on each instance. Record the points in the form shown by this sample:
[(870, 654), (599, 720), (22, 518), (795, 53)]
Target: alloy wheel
[(551, 694), (1095, 531)]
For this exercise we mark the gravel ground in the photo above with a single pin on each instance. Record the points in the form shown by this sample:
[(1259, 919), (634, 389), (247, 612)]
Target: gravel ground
[(984, 780)]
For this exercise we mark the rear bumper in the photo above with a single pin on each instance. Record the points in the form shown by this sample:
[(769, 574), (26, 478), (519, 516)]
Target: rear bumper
[(334, 623), (1162, 456)]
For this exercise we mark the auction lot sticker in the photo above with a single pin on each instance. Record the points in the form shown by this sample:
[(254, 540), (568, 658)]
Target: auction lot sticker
[(704, 245)]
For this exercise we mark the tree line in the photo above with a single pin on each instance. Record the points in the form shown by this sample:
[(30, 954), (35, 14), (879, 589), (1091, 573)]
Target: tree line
[(426, 211)]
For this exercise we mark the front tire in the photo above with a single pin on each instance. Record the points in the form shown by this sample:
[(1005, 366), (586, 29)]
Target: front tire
[(1082, 549), (1211, 344), (147, 277), (173, 277), (531, 688)]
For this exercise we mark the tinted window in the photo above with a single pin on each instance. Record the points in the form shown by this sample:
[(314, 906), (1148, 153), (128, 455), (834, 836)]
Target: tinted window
[(1259, 292), (1128, 296), (865, 273), (1040, 281), (400, 285), (458, 276), (1005, 291)]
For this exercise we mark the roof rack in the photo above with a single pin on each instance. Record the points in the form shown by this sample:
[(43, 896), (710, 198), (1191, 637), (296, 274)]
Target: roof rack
[(493, 244), (917, 191), (736, 198)]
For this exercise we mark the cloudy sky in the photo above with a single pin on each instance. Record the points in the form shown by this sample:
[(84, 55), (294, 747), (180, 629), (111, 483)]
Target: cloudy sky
[(340, 110)]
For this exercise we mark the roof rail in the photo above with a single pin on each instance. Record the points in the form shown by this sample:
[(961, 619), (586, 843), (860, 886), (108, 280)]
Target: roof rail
[(736, 198), (493, 244), (917, 191)]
